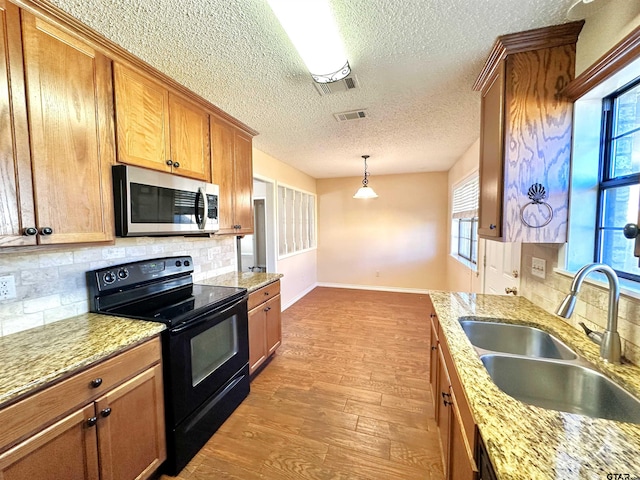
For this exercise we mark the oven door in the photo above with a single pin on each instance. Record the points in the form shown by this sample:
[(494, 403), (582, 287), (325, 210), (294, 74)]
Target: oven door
[(201, 357)]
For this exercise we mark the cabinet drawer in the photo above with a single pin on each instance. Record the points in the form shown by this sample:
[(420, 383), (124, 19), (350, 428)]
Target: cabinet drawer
[(263, 294), (46, 406)]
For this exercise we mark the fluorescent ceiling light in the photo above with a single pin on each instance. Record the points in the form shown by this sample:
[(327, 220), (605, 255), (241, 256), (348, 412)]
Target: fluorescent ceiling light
[(313, 31)]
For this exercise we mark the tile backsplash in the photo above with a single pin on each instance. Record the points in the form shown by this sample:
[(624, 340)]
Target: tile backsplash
[(51, 283), (591, 307)]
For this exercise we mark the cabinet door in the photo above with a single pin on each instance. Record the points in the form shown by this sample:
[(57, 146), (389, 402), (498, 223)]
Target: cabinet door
[(243, 176), (444, 411), (222, 146), (16, 201), (274, 324), (433, 368), (131, 434), (257, 337), (189, 133), (67, 449), (491, 158), (142, 120), (72, 146), (461, 463)]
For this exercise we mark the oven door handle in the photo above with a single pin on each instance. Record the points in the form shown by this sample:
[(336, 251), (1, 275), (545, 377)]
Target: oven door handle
[(201, 220), (204, 319)]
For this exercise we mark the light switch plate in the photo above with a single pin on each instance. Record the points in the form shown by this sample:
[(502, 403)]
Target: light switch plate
[(538, 267), (7, 287)]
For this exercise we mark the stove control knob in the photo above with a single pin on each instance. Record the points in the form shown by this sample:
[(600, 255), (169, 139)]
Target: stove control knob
[(186, 263), (123, 273), (178, 263), (109, 277)]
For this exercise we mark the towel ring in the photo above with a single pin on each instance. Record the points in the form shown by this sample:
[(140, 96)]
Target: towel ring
[(537, 194)]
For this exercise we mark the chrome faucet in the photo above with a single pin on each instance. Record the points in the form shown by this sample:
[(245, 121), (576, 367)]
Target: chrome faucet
[(609, 340)]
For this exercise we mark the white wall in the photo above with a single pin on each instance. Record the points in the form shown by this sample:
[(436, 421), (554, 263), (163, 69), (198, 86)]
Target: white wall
[(461, 278), (397, 241), (300, 271)]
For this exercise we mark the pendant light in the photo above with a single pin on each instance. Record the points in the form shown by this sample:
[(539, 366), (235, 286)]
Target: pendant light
[(365, 191)]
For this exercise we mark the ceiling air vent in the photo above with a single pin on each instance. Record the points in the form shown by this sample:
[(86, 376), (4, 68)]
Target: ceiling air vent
[(351, 115), (344, 85)]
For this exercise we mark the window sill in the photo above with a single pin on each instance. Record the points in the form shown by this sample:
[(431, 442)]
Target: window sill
[(470, 265), (628, 288)]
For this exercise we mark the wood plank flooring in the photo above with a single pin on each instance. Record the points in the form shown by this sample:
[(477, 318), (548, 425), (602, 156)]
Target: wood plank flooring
[(345, 397)]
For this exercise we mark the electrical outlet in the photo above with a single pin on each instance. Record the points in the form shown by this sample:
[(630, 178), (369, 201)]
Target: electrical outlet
[(538, 267), (377, 273), (7, 287)]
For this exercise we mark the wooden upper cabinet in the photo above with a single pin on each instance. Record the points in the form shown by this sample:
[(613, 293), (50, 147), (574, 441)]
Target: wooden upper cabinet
[(491, 171), (158, 129), (243, 197), (68, 87), (16, 201), (525, 139), (190, 146), (142, 120), (233, 172)]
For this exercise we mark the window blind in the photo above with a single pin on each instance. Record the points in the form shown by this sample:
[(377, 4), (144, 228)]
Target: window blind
[(465, 198)]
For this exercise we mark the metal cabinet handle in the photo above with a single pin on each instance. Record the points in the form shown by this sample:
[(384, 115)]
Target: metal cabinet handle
[(92, 421), (492, 226), (432, 315), (46, 230), (169, 162), (30, 231), (176, 164), (631, 231), (106, 412), (434, 347), (96, 382), (509, 290)]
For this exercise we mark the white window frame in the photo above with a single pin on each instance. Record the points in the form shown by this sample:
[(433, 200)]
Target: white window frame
[(585, 155), (465, 207), (297, 221)]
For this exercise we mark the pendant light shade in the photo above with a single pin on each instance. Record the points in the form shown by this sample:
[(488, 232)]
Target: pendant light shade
[(365, 191)]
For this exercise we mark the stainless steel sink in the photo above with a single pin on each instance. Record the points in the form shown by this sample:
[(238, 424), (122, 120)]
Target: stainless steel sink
[(567, 387), (515, 339)]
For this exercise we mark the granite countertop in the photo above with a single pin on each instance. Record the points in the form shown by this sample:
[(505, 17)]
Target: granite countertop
[(249, 280), (31, 359), (527, 442)]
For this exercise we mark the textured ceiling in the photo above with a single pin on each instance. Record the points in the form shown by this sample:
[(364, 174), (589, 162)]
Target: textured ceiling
[(415, 60)]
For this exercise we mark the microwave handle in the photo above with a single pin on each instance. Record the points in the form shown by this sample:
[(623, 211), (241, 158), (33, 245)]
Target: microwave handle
[(201, 220)]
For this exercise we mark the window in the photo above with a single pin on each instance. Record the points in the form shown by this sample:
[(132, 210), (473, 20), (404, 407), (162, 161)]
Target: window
[(464, 223), (296, 221), (619, 185)]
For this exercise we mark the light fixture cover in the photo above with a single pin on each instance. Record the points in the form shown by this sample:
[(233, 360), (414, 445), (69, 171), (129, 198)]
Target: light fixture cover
[(312, 29), (365, 192)]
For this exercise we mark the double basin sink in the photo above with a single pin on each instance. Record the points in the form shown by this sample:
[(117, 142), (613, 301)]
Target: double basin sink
[(536, 368)]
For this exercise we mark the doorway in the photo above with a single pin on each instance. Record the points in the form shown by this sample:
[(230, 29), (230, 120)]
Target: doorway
[(256, 253)]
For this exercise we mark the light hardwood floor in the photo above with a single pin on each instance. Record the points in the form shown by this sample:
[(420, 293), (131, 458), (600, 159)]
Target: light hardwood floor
[(345, 397)]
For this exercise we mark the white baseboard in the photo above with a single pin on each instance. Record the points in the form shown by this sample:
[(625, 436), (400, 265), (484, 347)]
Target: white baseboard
[(298, 297), (373, 287)]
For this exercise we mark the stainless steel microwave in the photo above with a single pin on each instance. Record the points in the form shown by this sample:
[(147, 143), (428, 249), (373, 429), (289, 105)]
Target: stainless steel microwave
[(155, 203)]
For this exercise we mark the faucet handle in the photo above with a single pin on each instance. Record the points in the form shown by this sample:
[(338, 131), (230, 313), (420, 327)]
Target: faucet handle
[(596, 337)]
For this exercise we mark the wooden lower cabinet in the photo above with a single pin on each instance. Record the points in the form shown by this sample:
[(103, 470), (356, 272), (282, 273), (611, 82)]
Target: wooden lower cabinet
[(67, 449), (131, 434), (265, 325), (457, 430), (120, 435)]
